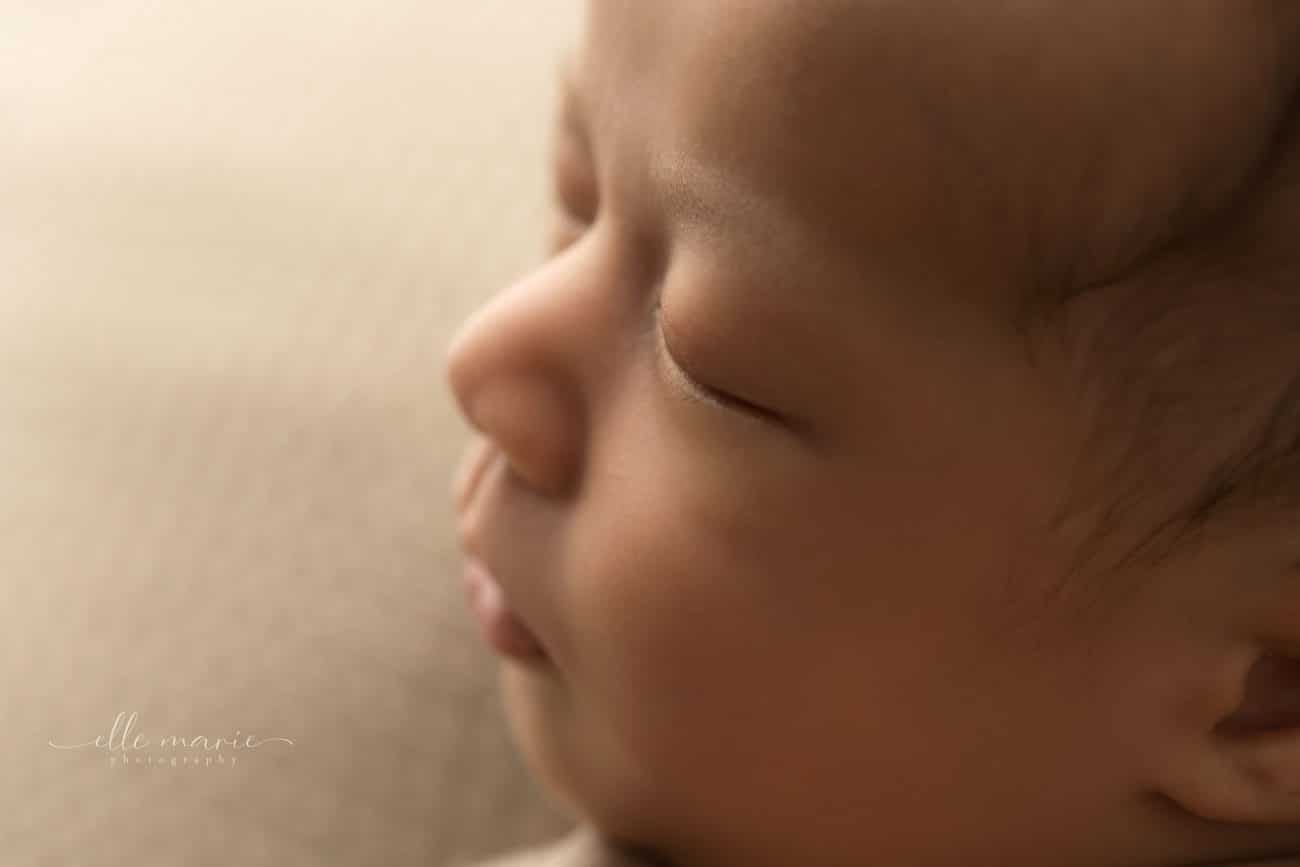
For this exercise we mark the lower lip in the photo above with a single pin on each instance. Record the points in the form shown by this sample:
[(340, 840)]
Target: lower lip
[(500, 627)]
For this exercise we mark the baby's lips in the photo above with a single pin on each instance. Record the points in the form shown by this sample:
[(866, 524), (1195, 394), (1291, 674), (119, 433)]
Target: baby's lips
[(500, 625)]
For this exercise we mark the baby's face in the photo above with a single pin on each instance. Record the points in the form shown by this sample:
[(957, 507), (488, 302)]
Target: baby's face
[(789, 540)]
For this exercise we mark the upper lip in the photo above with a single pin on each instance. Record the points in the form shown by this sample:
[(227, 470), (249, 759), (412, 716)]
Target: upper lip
[(465, 492), (472, 553), (469, 475), (469, 472)]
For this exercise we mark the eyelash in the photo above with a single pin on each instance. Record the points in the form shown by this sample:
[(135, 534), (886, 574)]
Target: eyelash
[(693, 388)]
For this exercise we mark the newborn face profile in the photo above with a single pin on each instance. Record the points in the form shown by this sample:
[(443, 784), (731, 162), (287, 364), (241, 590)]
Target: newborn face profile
[(894, 461)]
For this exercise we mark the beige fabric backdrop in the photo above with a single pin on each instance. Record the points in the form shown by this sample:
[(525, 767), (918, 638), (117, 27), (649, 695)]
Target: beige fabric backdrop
[(235, 239)]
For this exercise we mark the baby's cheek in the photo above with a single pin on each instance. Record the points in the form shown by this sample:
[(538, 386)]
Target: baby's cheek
[(670, 643)]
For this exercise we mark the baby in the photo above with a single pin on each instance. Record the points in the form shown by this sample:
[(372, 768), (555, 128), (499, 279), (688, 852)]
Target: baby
[(897, 461)]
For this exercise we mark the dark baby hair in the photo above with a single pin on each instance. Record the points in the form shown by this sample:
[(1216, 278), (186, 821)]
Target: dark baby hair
[(1193, 367)]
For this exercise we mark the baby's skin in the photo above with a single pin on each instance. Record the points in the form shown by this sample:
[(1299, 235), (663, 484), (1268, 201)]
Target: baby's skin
[(790, 468)]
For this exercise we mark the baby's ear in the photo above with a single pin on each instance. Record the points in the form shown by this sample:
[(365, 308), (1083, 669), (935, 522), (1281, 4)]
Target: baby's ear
[(1244, 766)]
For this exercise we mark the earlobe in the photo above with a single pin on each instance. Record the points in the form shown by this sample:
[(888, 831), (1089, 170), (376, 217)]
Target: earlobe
[(1245, 768)]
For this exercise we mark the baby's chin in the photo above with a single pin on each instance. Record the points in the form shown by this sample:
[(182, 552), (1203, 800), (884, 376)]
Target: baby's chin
[(536, 719), (551, 742), (580, 769)]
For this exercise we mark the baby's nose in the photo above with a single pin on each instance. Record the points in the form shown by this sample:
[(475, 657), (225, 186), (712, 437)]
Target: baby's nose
[(511, 379), (469, 360)]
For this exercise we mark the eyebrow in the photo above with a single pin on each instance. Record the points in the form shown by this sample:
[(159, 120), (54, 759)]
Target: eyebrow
[(689, 193)]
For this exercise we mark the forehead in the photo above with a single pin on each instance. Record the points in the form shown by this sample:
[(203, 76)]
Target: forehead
[(764, 103), (932, 138), (834, 120)]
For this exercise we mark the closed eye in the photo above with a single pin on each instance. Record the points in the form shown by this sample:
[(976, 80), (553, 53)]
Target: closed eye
[(575, 208), (692, 387)]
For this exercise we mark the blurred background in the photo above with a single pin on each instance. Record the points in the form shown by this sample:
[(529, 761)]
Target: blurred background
[(235, 240)]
